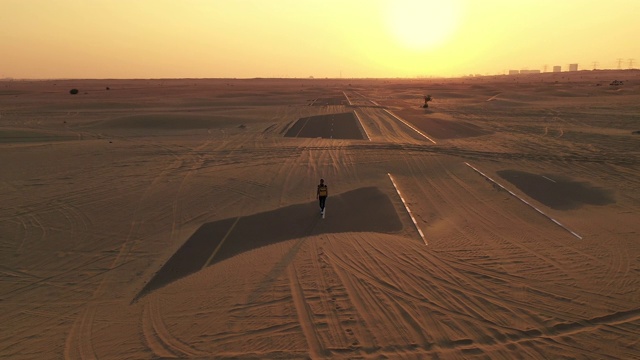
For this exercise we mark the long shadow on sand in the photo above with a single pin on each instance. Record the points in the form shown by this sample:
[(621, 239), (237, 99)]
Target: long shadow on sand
[(361, 210)]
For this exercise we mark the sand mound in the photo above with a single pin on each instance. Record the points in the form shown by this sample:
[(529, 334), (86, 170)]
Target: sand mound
[(441, 128), (216, 241), (452, 95), (292, 298), (167, 122), (518, 98), (30, 135)]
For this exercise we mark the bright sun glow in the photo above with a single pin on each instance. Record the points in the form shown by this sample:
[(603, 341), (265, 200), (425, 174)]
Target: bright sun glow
[(422, 24)]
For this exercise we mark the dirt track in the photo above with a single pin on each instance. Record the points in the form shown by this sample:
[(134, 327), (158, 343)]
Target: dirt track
[(105, 189)]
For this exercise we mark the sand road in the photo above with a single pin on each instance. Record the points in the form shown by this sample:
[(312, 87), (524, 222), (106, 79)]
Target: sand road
[(174, 219)]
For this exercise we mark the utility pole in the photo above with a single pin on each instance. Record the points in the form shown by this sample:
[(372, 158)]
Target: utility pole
[(619, 63), (595, 65), (631, 63)]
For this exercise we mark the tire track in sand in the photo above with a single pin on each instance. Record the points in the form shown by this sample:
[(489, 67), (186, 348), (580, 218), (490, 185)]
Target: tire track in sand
[(328, 306), (305, 316), (80, 335), (551, 298), (383, 298), (78, 344), (158, 338)]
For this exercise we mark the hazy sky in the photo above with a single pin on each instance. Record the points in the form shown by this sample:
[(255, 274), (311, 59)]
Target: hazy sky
[(301, 38)]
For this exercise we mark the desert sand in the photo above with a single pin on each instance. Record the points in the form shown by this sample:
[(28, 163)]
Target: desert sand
[(145, 219)]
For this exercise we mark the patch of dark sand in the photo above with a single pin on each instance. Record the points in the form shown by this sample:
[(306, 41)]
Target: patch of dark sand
[(167, 122), (26, 136)]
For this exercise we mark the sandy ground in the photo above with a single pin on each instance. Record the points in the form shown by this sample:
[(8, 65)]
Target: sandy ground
[(173, 219)]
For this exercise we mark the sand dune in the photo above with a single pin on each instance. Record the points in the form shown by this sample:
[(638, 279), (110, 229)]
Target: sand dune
[(174, 218)]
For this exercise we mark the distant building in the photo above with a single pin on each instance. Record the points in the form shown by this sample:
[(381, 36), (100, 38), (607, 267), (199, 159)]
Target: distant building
[(573, 67), (514, 72), (557, 69)]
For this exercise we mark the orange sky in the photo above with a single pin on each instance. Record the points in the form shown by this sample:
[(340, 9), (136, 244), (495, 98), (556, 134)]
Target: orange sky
[(301, 38)]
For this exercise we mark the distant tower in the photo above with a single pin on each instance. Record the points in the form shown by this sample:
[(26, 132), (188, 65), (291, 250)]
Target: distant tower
[(545, 67), (619, 63), (631, 63), (573, 67), (595, 65), (557, 68)]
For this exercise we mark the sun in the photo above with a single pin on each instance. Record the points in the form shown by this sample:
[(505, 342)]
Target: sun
[(422, 24)]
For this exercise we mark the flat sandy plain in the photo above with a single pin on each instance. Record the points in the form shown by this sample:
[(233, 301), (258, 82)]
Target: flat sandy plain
[(174, 218)]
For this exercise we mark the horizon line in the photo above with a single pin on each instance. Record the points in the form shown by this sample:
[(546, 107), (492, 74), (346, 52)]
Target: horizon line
[(420, 77)]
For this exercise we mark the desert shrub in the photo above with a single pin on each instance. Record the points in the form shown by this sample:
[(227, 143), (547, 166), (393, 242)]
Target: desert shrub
[(427, 98), (73, 91)]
